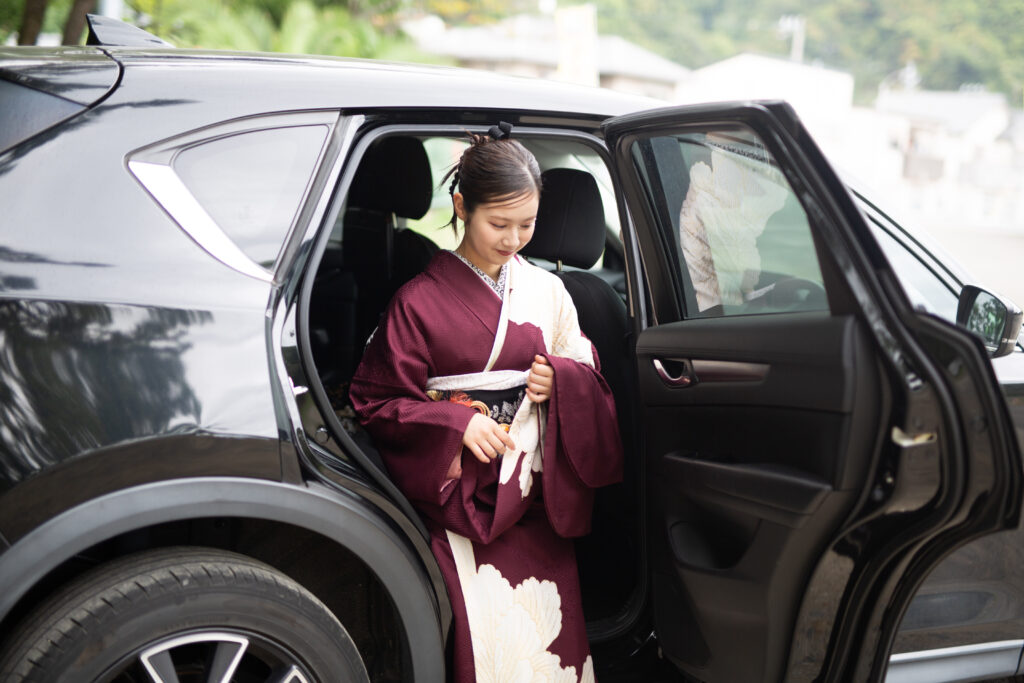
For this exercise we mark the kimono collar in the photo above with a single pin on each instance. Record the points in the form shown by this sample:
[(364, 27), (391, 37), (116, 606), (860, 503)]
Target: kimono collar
[(497, 285)]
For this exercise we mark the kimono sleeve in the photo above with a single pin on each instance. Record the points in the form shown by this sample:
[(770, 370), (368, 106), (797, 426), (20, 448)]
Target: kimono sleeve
[(582, 445), (417, 437)]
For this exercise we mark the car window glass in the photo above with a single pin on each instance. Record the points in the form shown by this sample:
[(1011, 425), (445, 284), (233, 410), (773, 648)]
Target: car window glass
[(741, 239), (252, 183), (922, 286)]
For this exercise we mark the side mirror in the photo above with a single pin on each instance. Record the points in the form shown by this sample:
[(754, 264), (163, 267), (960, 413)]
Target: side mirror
[(996, 320)]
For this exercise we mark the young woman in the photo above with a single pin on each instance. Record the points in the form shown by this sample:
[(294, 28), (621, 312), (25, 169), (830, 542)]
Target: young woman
[(485, 401)]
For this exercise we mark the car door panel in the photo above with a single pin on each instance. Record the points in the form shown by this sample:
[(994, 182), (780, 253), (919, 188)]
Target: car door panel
[(806, 454), (753, 472)]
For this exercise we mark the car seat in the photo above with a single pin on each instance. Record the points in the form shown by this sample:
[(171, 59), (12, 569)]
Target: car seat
[(393, 182)]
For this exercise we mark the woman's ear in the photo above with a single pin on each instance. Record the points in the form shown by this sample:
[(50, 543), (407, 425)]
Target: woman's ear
[(460, 206)]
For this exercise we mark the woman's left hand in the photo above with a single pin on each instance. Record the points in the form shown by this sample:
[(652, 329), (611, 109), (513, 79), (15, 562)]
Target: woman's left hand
[(542, 377)]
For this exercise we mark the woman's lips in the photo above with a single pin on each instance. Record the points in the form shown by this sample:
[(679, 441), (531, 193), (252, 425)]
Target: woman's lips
[(506, 253)]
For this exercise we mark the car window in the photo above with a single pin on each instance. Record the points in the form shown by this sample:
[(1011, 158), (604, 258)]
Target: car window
[(252, 183), (923, 287), (742, 240)]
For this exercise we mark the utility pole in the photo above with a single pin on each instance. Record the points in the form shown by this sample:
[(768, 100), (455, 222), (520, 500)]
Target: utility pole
[(794, 26)]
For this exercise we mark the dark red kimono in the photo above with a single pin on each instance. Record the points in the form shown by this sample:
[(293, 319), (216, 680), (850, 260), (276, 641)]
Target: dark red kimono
[(447, 347)]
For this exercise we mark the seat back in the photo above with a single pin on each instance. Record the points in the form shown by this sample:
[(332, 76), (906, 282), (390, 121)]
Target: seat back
[(393, 180)]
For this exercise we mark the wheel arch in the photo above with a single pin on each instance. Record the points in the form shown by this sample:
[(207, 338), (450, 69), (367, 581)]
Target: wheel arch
[(346, 521)]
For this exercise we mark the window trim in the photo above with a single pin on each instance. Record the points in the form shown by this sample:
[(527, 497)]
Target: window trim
[(153, 167)]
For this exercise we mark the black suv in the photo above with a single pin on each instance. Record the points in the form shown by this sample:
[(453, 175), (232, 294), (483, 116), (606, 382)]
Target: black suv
[(196, 245)]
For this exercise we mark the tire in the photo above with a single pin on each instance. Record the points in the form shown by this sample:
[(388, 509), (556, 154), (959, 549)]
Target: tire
[(198, 612)]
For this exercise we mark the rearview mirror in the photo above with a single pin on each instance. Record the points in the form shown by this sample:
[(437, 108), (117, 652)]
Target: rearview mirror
[(996, 320)]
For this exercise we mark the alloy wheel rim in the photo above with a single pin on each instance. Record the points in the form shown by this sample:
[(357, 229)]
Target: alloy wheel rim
[(210, 656)]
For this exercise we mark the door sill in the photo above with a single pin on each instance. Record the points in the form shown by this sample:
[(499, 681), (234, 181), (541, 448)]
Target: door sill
[(957, 664)]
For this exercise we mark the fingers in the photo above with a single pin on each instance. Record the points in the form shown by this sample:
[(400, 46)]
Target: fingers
[(455, 468), (537, 398), (478, 453), (495, 441), (540, 380), (540, 385), (486, 439), (499, 439)]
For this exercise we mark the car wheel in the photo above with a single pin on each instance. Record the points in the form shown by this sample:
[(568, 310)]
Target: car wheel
[(182, 614)]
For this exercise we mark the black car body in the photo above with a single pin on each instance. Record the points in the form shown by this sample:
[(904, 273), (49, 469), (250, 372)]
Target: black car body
[(175, 343)]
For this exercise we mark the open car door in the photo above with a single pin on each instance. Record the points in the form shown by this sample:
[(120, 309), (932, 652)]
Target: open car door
[(813, 445)]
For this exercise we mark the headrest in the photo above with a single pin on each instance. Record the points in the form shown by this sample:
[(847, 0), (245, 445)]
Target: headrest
[(570, 220), (394, 176)]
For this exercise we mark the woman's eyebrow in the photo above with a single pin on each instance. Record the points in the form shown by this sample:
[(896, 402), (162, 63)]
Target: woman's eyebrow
[(495, 217)]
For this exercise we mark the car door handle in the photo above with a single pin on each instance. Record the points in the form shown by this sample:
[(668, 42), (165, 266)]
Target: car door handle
[(682, 372), (682, 378)]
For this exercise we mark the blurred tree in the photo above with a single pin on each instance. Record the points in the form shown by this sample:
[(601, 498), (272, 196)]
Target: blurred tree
[(10, 17), (32, 15), (74, 27), (952, 42), (358, 28)]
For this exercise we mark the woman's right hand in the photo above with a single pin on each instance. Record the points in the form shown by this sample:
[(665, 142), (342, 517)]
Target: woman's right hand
[(485, 438)]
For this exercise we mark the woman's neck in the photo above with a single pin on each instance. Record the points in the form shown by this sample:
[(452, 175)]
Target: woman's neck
[(490, 270)]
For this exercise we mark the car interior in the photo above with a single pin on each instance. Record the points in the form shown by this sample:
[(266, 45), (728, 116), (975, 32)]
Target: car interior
[(393, 221), (754, 473)]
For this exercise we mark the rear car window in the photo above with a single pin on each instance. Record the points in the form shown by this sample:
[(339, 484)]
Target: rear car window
[(252, 183)]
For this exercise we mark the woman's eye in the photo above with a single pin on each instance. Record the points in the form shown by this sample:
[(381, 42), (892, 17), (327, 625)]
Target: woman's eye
[(497, 227)]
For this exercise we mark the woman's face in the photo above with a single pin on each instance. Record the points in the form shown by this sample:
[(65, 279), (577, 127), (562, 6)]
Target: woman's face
[(495, 232)]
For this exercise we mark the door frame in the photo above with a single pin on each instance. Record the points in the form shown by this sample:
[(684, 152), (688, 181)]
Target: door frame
[(850, 638)]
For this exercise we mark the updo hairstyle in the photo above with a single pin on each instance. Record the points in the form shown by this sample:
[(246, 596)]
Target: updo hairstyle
[(494, 169)]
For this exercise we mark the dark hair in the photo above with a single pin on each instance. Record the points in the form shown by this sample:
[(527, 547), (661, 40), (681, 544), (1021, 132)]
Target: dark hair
[(492, 170)]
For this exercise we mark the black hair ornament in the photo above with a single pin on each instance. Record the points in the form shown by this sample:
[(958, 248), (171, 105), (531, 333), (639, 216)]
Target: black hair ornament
[(502, 131)]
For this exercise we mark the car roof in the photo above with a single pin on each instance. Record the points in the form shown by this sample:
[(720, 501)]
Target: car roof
[(316, 81)]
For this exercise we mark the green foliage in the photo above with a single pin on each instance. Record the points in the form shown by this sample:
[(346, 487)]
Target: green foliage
[(357, 28), (952, 42), (56, 15), (10, 18)]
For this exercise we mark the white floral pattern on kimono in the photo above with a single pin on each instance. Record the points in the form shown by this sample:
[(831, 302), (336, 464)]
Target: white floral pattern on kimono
[(512, 627)]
